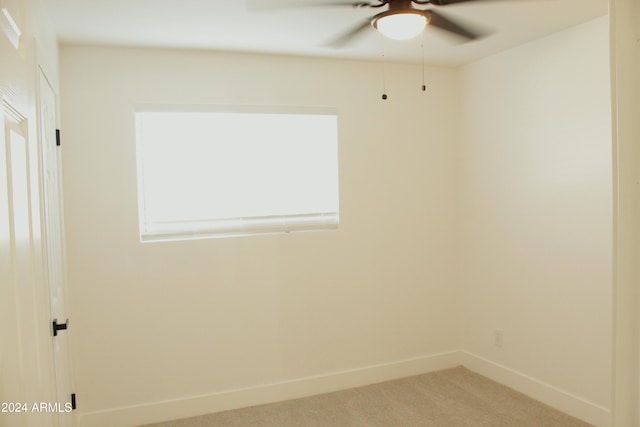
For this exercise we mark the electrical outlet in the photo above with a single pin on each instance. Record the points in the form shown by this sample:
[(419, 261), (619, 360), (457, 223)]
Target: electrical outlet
[(498, 338)]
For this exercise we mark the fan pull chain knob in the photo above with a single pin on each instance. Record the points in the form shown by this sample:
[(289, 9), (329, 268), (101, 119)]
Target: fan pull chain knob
[(384, 96), (424, 88)]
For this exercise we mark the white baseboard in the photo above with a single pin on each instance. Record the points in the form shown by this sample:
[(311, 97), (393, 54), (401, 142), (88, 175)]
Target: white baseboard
[(231, 399), (199, 405), (543, 392)]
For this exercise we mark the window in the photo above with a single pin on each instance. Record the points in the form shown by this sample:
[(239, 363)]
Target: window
[(216, 172)]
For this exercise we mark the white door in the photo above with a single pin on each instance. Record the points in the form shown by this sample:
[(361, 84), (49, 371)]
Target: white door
[(25, 379), (27, 374), (53, 233), (9, 335), (19, 331)]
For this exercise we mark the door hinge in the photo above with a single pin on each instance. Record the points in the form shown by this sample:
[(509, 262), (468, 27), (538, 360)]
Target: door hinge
[(59, 326), (57, 137), (73, 401)]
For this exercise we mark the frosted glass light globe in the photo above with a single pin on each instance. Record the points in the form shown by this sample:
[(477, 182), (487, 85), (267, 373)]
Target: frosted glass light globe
[(401, 26)]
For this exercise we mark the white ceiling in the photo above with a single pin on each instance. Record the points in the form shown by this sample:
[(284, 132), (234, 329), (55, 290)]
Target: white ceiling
[(302, 29)]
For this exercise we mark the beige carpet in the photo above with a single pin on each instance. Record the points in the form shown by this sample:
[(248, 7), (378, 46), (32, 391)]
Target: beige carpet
[(451, 398)]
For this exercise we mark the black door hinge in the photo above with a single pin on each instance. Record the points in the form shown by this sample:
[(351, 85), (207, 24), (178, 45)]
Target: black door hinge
[(59, 326), (73, 401), (57, 137)]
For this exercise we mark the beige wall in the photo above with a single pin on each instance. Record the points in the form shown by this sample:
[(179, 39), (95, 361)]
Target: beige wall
[(235, 321), (482, 205), (536, 215)]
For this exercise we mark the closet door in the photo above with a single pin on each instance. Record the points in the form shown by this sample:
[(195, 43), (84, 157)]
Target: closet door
[(55, 260)]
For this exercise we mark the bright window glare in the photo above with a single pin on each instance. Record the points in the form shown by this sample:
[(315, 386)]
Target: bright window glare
[(205, 173)]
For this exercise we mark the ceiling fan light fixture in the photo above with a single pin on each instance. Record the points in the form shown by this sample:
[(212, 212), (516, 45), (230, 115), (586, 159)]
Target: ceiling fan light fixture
[(401, 25)]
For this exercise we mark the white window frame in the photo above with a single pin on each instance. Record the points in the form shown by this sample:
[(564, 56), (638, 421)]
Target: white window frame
[(238, 225)]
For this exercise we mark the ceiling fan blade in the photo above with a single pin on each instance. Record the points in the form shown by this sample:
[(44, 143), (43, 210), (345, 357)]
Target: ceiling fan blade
[(440, 21), (346, 3), (355, 4), (447, 2), (261, 5), (344, 38)]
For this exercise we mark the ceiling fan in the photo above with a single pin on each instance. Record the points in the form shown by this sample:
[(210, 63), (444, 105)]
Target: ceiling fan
[(402, 20)]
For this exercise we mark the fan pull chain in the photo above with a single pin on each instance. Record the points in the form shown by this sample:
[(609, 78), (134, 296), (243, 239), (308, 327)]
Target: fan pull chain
[(384, 80), (424, 86)]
